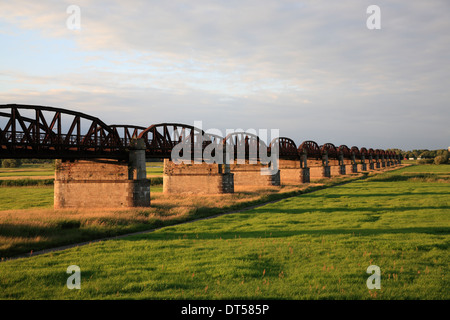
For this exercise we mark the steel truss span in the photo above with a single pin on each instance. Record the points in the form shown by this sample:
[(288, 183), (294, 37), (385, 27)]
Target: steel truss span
[(33, 131)]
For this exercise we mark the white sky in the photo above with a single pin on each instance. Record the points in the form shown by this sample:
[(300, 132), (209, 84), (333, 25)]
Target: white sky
[(311, 69)]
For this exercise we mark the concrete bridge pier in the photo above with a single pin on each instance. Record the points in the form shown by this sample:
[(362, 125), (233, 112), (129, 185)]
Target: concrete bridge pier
[(195, 178), (320, 172), (294, 172), (320, 169), (387, 161), (103, 183), (377, 162), (249, 174), (291, 172), (338, 167), (350, 165), (361, 167)]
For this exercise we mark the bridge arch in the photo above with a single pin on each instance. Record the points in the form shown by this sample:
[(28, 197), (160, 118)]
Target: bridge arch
[(311, 149), (330, 150), (243, 145), (287, 149), (126, 132), (32, 131), (344, 151), (161, 138)]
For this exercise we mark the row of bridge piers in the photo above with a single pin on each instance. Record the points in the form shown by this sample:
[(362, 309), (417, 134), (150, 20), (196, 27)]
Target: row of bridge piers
[(101, 165), (115, 183)]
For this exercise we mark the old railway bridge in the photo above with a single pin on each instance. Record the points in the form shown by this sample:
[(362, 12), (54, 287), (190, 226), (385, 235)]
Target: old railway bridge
[(103, 165)]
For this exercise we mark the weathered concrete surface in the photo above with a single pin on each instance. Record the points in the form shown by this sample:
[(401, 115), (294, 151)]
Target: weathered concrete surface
[(98, 183), (351, 168), (252, 175), (320, 172), (291, 172), (361, 167), (197, 178)]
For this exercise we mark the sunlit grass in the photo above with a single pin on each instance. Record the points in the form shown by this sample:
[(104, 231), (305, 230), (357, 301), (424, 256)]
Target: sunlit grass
[(28, 221), (313, 246)]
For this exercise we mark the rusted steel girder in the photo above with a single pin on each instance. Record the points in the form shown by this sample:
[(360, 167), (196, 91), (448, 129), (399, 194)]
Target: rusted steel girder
[(311, 149), (127, 132), (161, 139), (287, 149), (244, 146), (330, 150), (30, 131)]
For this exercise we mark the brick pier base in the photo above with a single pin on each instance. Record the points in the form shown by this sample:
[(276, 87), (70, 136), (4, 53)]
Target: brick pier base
[(320, 172), (252, 175), (98, 183), (196, 178), (362, 167)]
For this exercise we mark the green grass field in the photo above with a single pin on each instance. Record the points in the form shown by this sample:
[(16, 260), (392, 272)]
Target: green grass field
[(26, 197), (29, 170), (155, 169), (313, 246)]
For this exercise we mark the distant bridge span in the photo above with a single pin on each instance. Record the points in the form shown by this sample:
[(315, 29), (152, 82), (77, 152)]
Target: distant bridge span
[(33, 131)]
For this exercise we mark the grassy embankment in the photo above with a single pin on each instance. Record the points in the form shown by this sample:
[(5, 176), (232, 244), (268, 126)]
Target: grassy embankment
[(313, 246)]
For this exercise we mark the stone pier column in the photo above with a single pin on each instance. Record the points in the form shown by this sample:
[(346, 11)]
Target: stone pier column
[(319, 172), (137, 172), (104, 183), (362, 167), (337, 168), (292, 173), (320, 169), (252, 175), (194, 178)]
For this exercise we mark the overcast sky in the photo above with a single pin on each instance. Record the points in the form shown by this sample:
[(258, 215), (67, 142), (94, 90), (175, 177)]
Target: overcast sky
[(311, 69)]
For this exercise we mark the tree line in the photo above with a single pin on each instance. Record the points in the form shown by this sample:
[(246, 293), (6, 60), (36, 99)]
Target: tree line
[(439, 156), (15, 163)]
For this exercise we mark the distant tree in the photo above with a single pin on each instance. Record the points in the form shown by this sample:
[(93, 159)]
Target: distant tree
[(427, 154), (11, 163), (440, 160), (410, 154)]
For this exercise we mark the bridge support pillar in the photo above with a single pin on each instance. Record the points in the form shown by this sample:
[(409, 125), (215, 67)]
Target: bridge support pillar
[(197, 178), (252, 175), (102, 183), (351, 168), (337, 168), (320, 172), (362, 167), (292, 173)]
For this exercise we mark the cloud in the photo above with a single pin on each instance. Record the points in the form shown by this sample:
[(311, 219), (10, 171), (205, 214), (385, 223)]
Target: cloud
[(310, 68)]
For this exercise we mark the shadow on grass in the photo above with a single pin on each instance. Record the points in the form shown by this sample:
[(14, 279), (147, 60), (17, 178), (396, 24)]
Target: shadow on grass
[(365, 195), (344, 209), (236, 234)]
